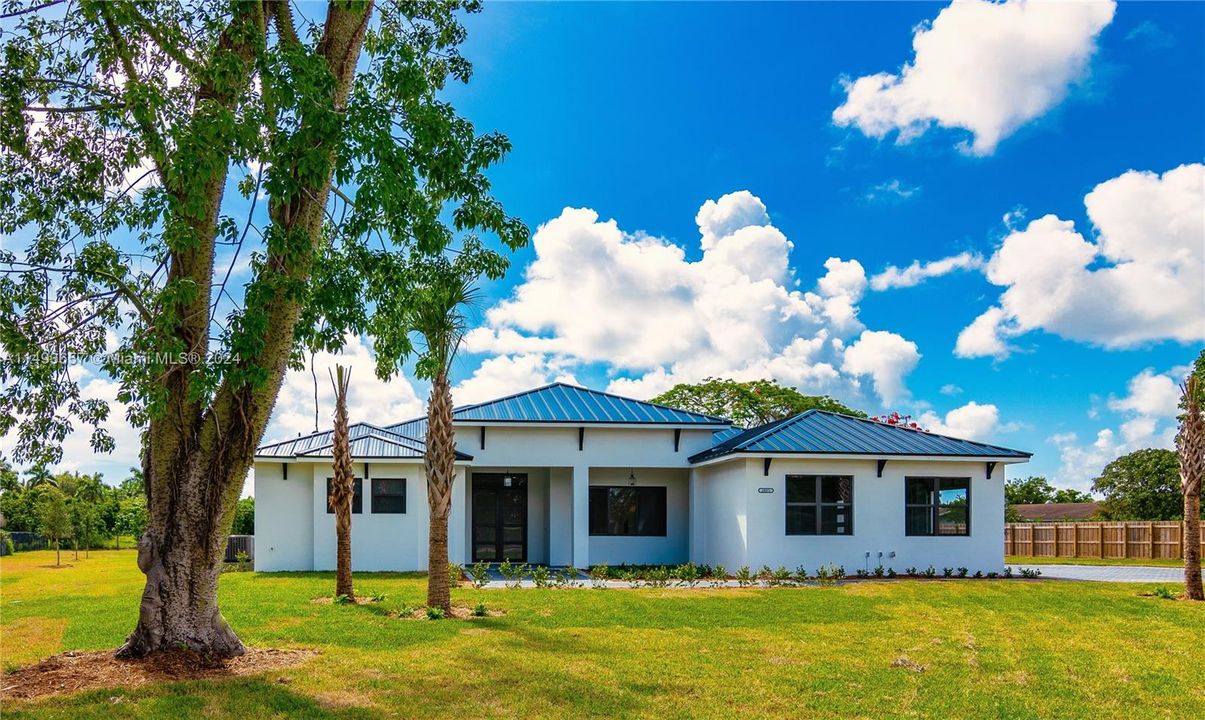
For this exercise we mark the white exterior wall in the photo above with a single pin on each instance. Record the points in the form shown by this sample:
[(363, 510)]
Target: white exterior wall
[(284, 524), (672, 549), (878, 517)]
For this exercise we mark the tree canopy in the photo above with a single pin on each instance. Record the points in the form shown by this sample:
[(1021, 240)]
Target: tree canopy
[(747, 403), (1036, 490), (1143, 485)]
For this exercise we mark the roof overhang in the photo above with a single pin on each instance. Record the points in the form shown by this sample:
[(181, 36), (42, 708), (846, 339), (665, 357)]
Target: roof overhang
[(1002, 459), (323, 460), (589, 423)]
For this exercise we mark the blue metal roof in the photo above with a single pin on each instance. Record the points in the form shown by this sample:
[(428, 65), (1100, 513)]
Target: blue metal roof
[(367, 442), (821, 433), (563, 403)]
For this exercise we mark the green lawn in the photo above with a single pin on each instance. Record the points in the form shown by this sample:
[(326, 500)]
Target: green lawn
[(1007, 648), (1023, 560)]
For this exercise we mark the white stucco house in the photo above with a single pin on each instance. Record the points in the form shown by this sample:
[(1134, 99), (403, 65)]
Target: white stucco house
[(563, 475)]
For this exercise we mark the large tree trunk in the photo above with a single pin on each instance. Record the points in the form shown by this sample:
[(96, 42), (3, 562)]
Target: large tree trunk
[(440, 462), (1190, 445), (342, 486), (196, 456)]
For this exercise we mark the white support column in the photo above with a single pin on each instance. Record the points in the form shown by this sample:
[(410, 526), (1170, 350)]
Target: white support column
[(560, 516), (581, 516), (457, 547), (695, 522)]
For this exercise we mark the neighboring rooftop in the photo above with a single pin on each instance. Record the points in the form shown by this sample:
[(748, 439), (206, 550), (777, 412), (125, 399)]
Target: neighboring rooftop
[(564, 403), (1048, 512), (821, 432)]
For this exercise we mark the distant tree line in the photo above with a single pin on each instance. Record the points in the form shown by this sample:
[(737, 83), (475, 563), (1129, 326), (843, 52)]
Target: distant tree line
[(80, 511)]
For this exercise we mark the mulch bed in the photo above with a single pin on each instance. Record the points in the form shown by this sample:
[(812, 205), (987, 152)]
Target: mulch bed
[(458, 613), (74, 672), (358, 600)]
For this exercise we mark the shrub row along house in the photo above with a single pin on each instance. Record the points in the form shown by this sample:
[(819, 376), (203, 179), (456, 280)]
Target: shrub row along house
[(563, 475)]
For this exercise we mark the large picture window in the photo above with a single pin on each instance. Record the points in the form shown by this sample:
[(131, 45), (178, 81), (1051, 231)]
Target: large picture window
[(357, 501), (388, 496), (627, 511), (820, 505), (937, 506)]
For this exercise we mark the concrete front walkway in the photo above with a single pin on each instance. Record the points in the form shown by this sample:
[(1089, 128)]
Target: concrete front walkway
[(1109, 573)]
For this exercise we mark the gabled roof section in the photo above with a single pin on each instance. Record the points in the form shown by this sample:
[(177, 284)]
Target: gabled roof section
[(367, 441), (819, 432), (564, 403)]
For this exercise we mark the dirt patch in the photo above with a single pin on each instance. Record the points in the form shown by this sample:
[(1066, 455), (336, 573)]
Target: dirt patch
[(458, 613), (358, 600), (74, 672), (903, 661)]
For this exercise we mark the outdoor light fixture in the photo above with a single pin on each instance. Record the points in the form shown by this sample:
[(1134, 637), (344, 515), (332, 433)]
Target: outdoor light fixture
[(506, 479), (631, 476)]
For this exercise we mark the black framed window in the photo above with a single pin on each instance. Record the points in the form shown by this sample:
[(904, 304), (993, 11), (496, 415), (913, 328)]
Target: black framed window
[(820, 505), (627, 510), (937, 506), (357, 501), (388, 496)]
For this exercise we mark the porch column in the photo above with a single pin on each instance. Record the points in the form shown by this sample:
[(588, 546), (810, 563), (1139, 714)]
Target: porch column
[(696, 522), (457, 547), (581, 516)]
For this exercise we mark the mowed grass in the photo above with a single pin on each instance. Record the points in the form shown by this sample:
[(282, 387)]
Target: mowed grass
[(905, 648), (1025, 560)]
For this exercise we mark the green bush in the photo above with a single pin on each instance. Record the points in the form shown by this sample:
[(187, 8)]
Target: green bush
[(599, 574), (479, 610), (455, 574), (479, 575), (744, 577), (435, 613)]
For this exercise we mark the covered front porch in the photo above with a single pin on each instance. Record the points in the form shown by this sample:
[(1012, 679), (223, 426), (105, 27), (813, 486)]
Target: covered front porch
[(578, 516)]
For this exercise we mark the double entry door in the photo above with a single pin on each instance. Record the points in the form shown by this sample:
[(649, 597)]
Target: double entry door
[(499, 517)]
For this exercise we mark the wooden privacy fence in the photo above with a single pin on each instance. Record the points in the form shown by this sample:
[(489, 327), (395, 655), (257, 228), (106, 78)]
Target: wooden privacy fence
[(235, 543), (1158, 540)]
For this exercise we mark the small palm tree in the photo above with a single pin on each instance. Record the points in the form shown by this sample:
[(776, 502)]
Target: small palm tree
[(438, 318), (342, 485)]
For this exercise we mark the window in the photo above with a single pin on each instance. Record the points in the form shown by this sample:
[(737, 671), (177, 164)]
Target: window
[(820, 505), (937, 506), (388, 496), (627, 511), (356, 499)]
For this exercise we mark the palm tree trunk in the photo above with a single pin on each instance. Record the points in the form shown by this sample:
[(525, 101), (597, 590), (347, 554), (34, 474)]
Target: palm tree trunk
[(440, 462), (1190, 444), (342, 486)]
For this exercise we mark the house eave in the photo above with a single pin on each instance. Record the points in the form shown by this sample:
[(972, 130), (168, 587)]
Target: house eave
[(741, 455)]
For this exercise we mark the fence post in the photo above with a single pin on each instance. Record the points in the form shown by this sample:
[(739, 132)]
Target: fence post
[(1152, 531), (1075, 540)]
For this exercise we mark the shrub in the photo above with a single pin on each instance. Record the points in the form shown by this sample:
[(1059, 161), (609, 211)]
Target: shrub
[(541, 576), (630, 576), (599, 575), (435, 613), (479, 575), (890, 572), (688, 574), (911, 572), (658, 577), (9, 549), (829, 574), (993, 574), (931, 572), (455, 574), (1161, 591), (879, 571), (1030, 572), (343, 600), (765, 575), (744, 578), (962, 572), (1008, 571), (376, 596), (567, 577), (242, 558), (978, 574), (947, 572), (479, 610), (718, 574), (781, 576), (861, 572)]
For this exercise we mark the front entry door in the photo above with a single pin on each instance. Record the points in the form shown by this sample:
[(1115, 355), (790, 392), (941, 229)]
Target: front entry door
[(499, 517)]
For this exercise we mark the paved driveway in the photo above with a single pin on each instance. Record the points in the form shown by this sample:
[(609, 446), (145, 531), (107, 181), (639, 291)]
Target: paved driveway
[(1110, 573)]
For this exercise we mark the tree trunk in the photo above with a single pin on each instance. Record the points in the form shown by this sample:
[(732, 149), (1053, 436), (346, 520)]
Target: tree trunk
[(1190, 447), (342, 485), (440, 462), (58, 554), (1192, 546)]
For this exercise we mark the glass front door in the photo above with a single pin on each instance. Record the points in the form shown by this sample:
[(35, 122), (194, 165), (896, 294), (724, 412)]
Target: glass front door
[(499, 517)]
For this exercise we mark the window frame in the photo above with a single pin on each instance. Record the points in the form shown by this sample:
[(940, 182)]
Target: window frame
[(935, 506), (404, 495), (357, 496), (818, 504), (662, 490)]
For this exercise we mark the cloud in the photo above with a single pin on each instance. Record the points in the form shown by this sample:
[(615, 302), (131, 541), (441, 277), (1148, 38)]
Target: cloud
[(507, 374), (984, 67), (1140, 281), (918, 272), (1148, 419), (891, 190), (886, 357), (1150, 36), (652, 317), (950, 389), (971, 422), (369, 399)]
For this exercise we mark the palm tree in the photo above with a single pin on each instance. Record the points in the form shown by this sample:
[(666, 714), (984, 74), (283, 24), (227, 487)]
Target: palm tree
[(1190, 442), (342, 485), (39, 475), (437, 316)]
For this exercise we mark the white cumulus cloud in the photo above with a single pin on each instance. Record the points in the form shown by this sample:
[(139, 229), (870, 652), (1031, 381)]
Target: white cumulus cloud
[(1143, 279), (918, 272), (886, 357), (984, 67), (971, 422)]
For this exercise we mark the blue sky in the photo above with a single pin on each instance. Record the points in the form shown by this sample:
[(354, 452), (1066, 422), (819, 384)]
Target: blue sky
[(764, 164)]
